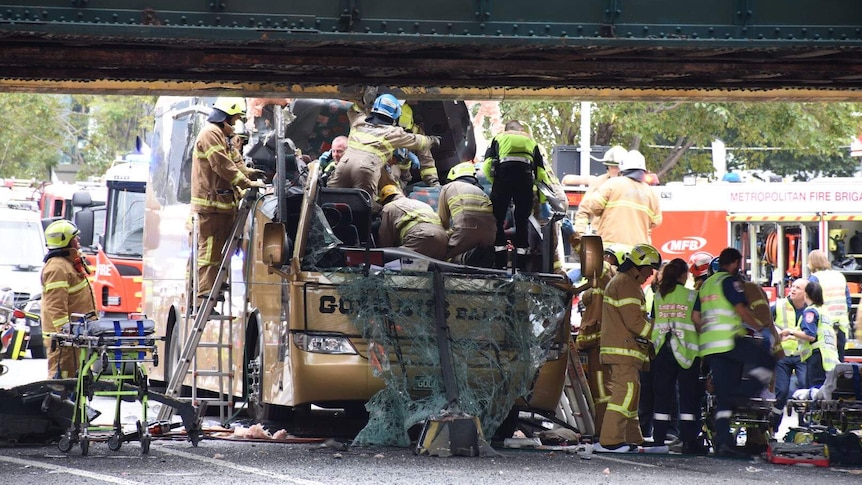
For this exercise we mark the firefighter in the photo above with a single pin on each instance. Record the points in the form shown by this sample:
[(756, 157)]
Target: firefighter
[(836, 296), (725, 345), (410, 224), (512, 164), (371, 144), (626, 206), (422, 159), (824, 353), (611, 160), (216, 175), (65, 290), (676, 314), (590, 332), (698, 266), (625, 348), (465, 207)]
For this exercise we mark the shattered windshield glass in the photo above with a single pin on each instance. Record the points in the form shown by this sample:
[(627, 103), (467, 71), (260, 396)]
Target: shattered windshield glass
[(501, 330)]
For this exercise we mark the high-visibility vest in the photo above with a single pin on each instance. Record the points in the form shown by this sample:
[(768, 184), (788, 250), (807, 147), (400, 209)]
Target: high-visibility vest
[(785, 317), (827, 341), (673, 323), (720, 322), (835, 298)]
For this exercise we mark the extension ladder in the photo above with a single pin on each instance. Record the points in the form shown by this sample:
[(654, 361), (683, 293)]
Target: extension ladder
[(187, 363)]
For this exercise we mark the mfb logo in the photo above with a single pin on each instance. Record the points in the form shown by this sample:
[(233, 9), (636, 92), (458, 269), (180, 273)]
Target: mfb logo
[(679, 246)]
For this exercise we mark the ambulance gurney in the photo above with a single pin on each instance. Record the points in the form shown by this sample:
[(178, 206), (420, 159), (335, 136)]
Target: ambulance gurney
[(111, 354), (837, 404)]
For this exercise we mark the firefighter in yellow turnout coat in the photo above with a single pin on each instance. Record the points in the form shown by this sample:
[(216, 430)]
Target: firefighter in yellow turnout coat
[(625, 348), (65, 290), (371, 144), (465, 207), (590, 333), (410, 224), (215, 177)]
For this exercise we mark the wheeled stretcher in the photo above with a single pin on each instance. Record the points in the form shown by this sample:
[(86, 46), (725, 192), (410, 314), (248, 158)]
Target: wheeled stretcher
[(837, 404), (111, 350)]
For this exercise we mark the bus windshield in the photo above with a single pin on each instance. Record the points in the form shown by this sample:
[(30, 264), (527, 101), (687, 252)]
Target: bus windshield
[(124, 231)]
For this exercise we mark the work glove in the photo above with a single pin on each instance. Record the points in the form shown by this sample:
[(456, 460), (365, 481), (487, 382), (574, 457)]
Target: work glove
[(256, 184), (414, 160), (566, 227), (545, 210), (435, 140), (255, 174), (324, 159)]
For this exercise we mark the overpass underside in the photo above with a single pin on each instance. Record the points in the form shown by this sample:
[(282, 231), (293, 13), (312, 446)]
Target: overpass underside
[(443, 49)]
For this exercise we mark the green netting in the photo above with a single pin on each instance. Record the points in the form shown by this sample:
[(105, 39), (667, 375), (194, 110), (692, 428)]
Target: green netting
[(501, 330)]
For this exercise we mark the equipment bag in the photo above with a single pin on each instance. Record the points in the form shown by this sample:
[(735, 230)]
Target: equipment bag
[(842, 448)]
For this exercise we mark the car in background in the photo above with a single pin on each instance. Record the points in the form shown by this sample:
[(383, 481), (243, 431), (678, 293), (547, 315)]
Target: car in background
[(22, 254)]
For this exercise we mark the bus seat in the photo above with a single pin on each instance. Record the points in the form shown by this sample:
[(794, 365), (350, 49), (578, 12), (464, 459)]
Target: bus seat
[(340, 218)]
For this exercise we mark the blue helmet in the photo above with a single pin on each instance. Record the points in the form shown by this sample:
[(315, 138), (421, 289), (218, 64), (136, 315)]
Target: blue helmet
[(387, 105), (713, 266)]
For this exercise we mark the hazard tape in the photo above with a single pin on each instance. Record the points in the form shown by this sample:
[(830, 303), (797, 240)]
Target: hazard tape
[(772, 218), (842, 217)]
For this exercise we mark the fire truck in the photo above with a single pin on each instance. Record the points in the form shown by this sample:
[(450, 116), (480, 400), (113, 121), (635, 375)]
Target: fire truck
[(120, 241), (774, 225)]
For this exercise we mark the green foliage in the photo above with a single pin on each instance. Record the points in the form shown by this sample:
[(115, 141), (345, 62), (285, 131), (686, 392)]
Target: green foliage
[(799, 139), (88, 131)]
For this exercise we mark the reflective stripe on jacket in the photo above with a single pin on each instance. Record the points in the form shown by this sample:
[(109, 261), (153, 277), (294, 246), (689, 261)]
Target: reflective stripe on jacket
[(64, 291), (400, 217), (624, 320), (720, 322), (590, 333), (673, 323), (785, 317), (512, 147), (827, 341), (835, 298), (626, 210), (215, 175)]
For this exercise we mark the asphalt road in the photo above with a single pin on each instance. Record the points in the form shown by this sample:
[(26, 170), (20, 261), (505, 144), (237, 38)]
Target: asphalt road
[(176, 462)]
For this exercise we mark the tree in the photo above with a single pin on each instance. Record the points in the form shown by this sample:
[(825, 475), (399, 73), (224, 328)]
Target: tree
[(88, 131), (800, 139)]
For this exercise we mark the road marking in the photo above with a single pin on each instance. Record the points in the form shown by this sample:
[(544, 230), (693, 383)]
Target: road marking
[(234, 466), (69, 470), (627, 462)]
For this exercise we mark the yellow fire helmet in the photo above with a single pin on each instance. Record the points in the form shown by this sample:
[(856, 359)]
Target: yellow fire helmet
[(58, 234), (463, 169), (645, 255), (230, 106), (388, 191), (406, 119)]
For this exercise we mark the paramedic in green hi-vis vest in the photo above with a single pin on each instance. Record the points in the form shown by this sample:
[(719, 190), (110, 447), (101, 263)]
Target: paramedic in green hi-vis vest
[(727, 348)]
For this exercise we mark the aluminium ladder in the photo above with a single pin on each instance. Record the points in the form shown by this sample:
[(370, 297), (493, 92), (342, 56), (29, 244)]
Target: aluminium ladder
[(187, 362)]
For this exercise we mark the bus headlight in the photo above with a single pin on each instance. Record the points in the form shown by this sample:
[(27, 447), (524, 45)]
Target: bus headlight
[(323, 343)]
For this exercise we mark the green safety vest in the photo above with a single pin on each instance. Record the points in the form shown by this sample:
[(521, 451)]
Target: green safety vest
[(835, 298), (826, 341), (673, 323), (720, 322), (785, 317)]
